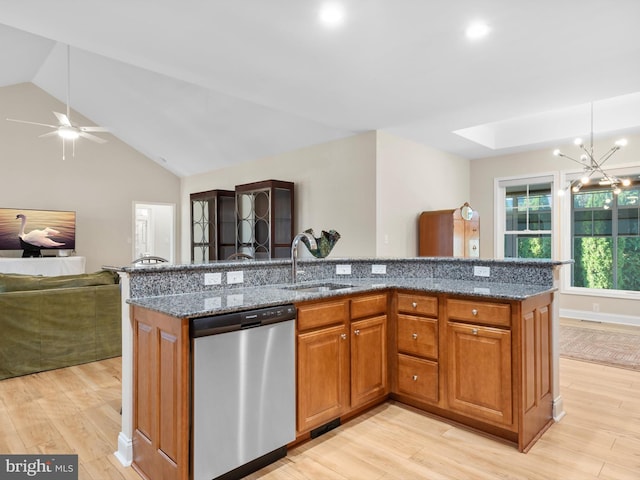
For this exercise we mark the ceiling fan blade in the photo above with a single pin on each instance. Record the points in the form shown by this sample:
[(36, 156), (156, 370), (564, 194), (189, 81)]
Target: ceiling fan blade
[(32, 123), (48, 134), (93, 138), (94, 129), (63, 119)]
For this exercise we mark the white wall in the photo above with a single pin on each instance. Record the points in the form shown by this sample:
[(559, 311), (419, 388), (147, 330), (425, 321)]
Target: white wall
[(334, 189), (100, 183), (413, 178), (483, 173)]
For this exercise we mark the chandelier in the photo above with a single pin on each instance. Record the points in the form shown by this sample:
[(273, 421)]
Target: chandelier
[(593, 167)]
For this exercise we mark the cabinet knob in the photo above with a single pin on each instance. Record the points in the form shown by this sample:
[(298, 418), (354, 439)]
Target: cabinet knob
[(357, 332), (414, 336), (414, 304), (474, 312), (415, 378), (343, 336), (474, 331)]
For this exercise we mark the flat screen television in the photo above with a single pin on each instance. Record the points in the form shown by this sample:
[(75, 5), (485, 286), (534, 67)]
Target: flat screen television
[(35, 230)]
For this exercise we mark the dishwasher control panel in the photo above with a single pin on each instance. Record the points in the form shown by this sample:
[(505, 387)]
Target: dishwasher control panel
[(228, 322)]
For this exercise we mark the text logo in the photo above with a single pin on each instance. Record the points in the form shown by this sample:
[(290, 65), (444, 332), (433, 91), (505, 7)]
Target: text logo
[(51, 467)]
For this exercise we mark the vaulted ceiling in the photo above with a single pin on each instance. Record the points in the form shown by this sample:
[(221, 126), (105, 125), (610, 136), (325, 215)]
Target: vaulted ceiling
[(197, 85)]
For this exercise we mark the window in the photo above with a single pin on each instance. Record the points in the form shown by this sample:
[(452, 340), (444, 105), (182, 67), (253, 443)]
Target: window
[(528, 215), (606, 238)]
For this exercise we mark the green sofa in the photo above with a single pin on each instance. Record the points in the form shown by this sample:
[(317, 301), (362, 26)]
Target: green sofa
[(55, 322)]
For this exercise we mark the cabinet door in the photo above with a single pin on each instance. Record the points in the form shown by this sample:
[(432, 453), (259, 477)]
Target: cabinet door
[(368, 360), (479, 373), (322, 376), (160, 402)]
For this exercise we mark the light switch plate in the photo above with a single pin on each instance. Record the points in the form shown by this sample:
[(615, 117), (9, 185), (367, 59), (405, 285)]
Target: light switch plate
[(479, 271), (378, 269), (343, 269), (235, 277), (214, 278)]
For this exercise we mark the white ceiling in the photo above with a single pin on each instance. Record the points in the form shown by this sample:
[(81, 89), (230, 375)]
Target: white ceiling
[(201, 84)]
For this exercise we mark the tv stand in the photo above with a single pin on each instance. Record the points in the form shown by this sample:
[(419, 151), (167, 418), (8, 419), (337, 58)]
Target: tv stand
[(47, 266)]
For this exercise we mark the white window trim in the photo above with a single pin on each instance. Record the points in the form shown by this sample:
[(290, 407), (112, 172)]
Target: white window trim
[(566, 177), (499, 187)]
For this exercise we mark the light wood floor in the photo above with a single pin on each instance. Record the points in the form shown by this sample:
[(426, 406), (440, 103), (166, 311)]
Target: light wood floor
[(76, 410)]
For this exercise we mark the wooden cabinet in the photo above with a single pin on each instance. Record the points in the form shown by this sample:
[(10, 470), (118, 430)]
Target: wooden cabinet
[(342, 357), (444, 233), (479, 371), (213, 225), (481, 362), (322, 362), (265, 213), (369, 376), (161, 389), (417, 347)]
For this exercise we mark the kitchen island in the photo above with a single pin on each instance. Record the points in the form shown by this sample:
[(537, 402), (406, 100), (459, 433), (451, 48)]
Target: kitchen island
[(488, 361)]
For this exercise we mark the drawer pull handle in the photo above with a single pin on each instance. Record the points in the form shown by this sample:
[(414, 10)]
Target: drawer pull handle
[(474, 331), (343, 336), (474, 312), (357, 332), (414, 304), (415, 378), (414, 336)]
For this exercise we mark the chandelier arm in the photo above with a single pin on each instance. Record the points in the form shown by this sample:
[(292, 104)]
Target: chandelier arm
[(608, 155), (560, 154)]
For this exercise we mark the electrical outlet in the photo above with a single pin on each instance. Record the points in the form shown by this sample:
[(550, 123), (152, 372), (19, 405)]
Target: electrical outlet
[(214, 278), (343, 269), (481, 271), (235, 277), (378, 269)]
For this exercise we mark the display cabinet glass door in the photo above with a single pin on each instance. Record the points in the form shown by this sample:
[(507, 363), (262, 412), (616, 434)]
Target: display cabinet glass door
[(265, 219), (212, 225)]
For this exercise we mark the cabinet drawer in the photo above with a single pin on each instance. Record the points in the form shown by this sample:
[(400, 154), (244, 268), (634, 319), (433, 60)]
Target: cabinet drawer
[(321, 314), (418, 378), (369, 306), (418, 304), (479, 312), (418, 336)]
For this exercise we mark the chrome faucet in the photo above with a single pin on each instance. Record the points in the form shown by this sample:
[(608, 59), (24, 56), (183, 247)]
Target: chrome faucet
[(294, 252)]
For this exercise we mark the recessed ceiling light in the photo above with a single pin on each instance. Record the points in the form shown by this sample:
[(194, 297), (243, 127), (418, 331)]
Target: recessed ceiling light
[(332, 14), (477, 30)]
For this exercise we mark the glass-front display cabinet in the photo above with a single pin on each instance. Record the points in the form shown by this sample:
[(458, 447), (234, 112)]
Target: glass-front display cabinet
[(213, 225), (264, 212)]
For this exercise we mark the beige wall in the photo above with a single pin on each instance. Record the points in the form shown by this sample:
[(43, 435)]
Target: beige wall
[(413, 178), (542, 161), (369, 187), (100, 183), (335, 189)]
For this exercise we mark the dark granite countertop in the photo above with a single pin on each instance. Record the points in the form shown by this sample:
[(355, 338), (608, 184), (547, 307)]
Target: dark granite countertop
[(226, 300)]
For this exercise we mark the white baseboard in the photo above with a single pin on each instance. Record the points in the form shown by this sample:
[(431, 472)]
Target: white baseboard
[(558, 408), (600, 317), (125, 450)]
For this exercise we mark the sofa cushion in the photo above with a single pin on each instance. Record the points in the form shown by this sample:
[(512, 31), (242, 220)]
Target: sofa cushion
[(11, 282)]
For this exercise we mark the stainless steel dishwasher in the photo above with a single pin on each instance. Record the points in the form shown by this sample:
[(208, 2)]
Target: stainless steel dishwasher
[(243, 391)]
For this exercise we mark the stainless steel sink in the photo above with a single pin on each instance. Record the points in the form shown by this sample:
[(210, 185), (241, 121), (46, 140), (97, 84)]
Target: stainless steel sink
[(317, 287)]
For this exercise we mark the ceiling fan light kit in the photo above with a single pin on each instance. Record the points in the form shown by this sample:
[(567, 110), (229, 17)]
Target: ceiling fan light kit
[(65, 129)]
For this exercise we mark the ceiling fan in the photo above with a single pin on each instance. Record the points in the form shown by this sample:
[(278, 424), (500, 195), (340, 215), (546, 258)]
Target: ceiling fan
[(65, 129)]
